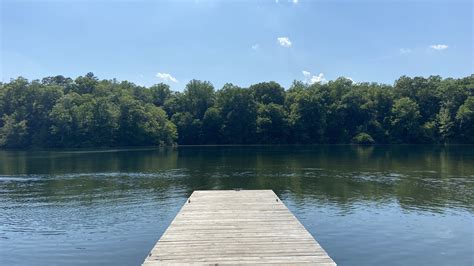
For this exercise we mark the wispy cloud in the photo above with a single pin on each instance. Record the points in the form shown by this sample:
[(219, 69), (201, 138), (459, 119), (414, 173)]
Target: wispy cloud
[(289, 1), (284, 41), (166, 77), (311, 79), (405, 50), (255, 47), (318, 79), (439, 46)]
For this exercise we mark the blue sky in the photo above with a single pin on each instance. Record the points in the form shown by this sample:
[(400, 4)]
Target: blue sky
[(242, 42)]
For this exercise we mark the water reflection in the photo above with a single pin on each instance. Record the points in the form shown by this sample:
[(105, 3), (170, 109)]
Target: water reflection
[(95, 202), (417, 176)]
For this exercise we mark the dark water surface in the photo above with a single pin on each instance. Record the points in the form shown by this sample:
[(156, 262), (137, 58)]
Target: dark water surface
[(382, 205)]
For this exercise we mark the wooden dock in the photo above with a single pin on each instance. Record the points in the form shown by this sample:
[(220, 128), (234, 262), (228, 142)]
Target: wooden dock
[(236, 227)]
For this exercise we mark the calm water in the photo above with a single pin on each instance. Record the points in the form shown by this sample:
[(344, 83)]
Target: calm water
[(383, 205)]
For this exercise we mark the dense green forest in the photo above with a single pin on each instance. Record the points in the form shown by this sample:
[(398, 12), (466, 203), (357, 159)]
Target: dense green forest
[(88, 112)]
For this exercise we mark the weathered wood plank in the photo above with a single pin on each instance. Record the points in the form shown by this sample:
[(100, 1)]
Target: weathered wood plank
[(236, 227)]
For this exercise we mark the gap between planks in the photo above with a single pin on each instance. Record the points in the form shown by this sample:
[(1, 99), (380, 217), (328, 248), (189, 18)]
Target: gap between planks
[(236, 227)]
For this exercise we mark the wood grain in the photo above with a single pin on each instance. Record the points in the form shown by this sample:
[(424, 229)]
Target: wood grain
[(236, 227)]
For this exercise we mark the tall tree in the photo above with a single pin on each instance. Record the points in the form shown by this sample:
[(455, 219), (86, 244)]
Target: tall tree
[(199, 96), (239, 113), (405, 120), (273, 124), (465, 119), (268, 92), (88, 112), (307, 117)]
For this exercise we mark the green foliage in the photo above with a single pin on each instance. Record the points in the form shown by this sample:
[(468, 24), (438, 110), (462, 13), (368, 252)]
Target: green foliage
[(405, 120), (445, 124), (212, 126), (188, 128), (307, 117), (13, 133), (424, 95), (86, 84), (268, 92), (87, 112), (239, 113), (198, 97), (465, 119), (272, 124), (159, 93), (363, 138), (144, 124)]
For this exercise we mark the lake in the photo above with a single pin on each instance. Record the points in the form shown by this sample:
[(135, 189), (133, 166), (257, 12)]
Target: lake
[(377, 205)]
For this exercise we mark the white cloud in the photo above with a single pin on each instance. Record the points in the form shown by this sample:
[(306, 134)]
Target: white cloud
[(405, 50), (256, 46), (284, 41), (289, 1), (166, 77), (318, 79), (311, 79), (438, 46)]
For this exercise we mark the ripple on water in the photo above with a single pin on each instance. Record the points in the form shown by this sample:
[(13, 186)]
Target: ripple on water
[(397, 209), (174, 173), (378, 177)]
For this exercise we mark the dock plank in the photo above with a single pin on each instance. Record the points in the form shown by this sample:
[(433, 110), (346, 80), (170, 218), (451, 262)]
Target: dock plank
[(236, 227)]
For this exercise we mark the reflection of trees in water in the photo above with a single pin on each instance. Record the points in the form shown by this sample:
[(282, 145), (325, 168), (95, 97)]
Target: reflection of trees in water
[(76, 161), (425, 177)]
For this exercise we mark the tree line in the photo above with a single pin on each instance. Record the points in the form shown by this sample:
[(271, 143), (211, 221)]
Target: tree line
[(87, 112)]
